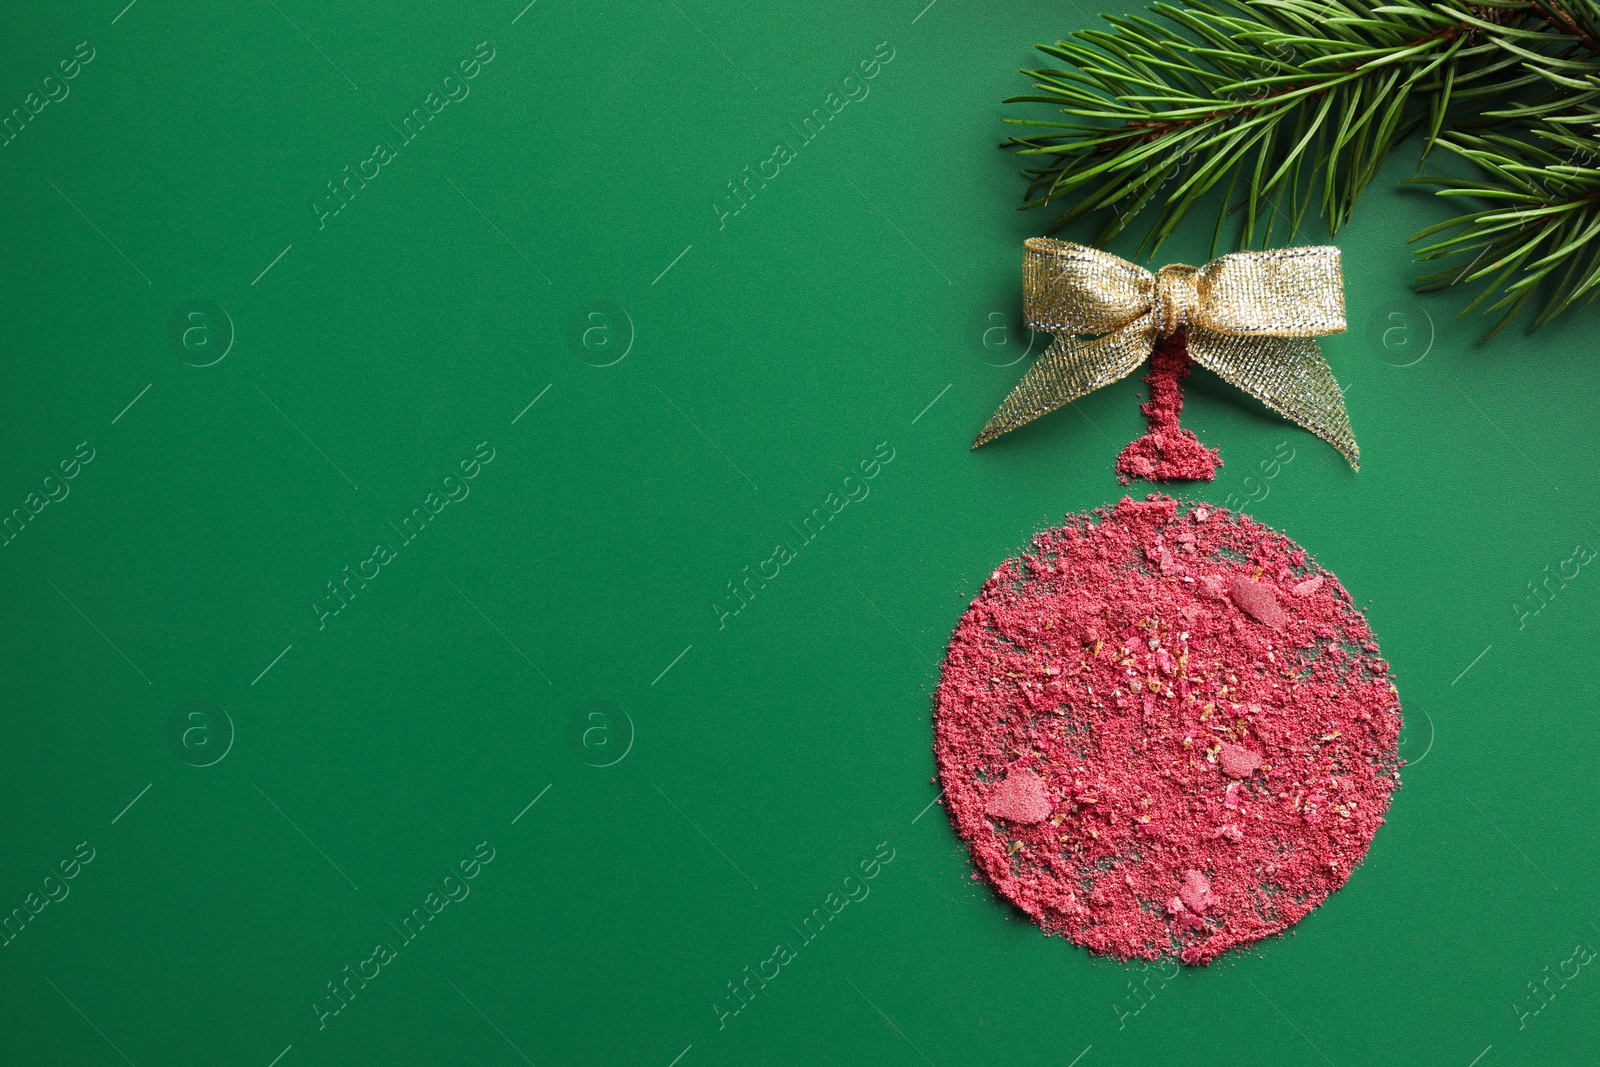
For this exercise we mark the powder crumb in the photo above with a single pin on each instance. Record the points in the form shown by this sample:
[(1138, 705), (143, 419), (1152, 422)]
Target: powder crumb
[(1237, 761), (1257, 601), (1021, 798), (1089, 783)]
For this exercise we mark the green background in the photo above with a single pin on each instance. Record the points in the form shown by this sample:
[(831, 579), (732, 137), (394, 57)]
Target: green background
[(867, 294)]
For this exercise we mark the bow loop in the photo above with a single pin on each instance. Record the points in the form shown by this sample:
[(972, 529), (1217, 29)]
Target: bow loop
[(1070, 289), (1289, 292)]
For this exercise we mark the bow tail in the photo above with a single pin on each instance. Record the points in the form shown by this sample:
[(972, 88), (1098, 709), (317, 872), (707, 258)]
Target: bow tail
[(1068, 369), (1288, 374)]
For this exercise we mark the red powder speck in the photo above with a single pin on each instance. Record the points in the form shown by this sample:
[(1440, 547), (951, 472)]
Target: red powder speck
[(1167, 452), (1188, 778)]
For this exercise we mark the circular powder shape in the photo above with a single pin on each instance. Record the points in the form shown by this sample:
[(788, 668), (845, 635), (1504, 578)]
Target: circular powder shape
[(1164, 731)]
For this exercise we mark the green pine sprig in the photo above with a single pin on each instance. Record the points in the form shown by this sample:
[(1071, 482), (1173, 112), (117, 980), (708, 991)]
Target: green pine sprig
[(1296, 104), (1529, 236), (1536, 233)]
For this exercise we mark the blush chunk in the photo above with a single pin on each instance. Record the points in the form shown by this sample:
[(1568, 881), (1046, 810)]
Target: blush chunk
[(1259, 602), (1021, 798), (1237, 761), (1195, 892), (1309, 586)]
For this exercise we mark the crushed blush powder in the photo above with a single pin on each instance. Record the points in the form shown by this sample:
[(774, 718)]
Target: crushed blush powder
[(1167, 452), (1163, 731)]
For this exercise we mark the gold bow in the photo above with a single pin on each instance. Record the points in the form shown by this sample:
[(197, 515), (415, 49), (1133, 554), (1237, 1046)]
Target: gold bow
[(1250, 317)]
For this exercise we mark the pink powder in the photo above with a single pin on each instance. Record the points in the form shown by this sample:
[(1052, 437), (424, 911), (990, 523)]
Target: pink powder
[(1137, 759), (1167, 453)]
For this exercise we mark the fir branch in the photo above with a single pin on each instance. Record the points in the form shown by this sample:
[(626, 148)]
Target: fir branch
[(1298, 101), (1584, 28), (1534, 237), (1528, 244), (1292, 107)]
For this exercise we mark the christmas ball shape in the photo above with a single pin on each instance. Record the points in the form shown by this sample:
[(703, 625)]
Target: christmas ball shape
[(1164, 731)]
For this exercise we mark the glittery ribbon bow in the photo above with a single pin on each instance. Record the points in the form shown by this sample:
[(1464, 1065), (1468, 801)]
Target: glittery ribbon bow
[(1250, 317)]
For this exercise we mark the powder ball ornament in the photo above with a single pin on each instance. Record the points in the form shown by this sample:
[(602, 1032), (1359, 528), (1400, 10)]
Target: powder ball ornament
[(1164, 731)]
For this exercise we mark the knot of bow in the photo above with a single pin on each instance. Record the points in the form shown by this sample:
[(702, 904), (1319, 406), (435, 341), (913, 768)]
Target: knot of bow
[(1249, 317)]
